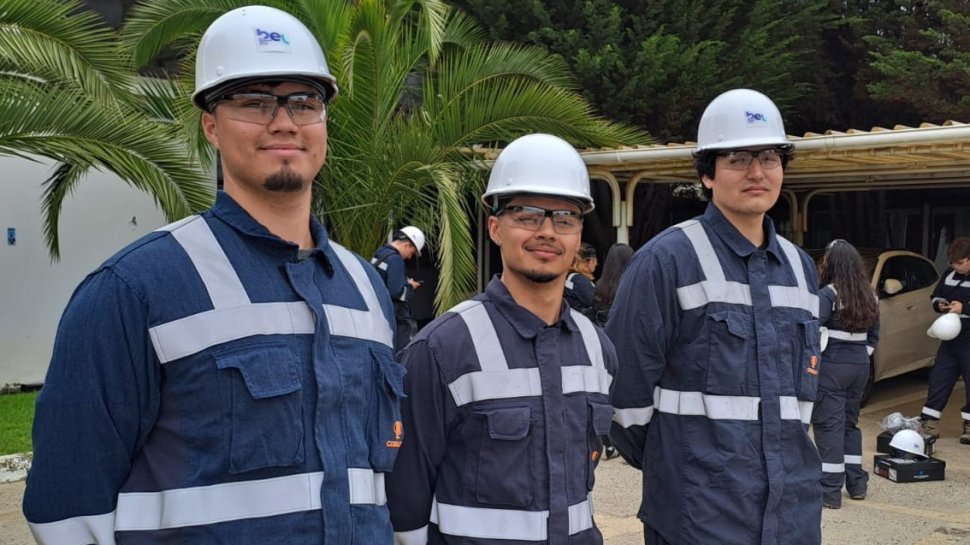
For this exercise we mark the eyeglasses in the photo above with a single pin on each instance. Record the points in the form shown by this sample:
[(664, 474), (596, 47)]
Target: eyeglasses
[(741, 159), (531, 218), (261, 108)]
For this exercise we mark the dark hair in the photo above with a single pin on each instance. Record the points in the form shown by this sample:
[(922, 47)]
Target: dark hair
[(616, 261), (855, 305), (705, 162), (959, 249), (586, 251)]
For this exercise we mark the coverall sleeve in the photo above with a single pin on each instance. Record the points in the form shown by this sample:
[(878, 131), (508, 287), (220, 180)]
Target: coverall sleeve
[(397, 280), (938, 298), (584, 290), (826, 302), (642, 322), (411, 486), (99, 400)]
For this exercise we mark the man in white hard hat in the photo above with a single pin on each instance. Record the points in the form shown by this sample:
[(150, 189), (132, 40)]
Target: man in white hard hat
[(951, 296), (228, 379), (389, 261), (508, 392), (716, 329)]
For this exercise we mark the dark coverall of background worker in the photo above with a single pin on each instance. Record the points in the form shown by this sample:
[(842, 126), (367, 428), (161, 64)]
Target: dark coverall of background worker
[(849, 312), (389, 260), (952, 295), (579, 282), (508, 392), (716, 330), (229, 378)]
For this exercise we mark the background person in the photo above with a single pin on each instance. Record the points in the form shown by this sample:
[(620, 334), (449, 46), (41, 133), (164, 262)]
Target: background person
[(716, 329), (952, 294), (579, 281), (205, 386), (508, 392), (849, 308), (616, 261), (389, 260)]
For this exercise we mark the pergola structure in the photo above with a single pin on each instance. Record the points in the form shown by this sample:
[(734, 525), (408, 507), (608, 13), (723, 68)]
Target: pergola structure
[(929, 156)]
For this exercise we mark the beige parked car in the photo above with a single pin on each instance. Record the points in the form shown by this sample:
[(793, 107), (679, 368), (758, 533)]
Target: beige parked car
[(904, 281)]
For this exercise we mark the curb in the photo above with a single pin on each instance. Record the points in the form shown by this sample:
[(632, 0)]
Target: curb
[(14, 467)]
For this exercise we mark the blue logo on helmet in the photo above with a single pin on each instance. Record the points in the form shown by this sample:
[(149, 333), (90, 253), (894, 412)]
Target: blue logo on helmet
[(755, 117), (266, 37)]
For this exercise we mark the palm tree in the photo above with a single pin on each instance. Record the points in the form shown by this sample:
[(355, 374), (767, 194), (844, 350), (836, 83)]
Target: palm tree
[(67, 94), (419, 90)]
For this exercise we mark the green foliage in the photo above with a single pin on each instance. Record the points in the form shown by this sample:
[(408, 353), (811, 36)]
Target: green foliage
[(16, 419), (66, 93), (419, 88)]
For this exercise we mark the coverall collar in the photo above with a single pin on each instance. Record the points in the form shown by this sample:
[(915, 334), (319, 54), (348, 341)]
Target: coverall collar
[(229, 211), (527, 324), (735, 240)]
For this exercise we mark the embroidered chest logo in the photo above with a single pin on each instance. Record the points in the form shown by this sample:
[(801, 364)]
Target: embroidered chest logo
[(812, 365), (398, 433)]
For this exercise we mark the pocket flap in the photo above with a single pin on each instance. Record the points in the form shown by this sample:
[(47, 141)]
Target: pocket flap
[(812, 333), (509, 424), (602, 416), (268, 371), (737, 323), (392, 371)]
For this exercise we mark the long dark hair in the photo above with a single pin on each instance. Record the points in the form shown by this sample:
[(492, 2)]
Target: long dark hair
[(856, 305), (616, 260)]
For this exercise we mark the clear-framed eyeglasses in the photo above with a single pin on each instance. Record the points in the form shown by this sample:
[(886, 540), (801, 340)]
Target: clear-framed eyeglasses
[(261, 108), (531, 218), (741, 159)]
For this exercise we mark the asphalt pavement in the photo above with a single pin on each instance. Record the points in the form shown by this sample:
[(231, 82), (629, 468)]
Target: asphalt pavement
[(922, 513)]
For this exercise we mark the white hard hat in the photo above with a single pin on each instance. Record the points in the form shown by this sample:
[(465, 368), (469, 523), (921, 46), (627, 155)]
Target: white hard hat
[(539, 164), (258, 42), (740, 118), (415, 236), (945, 327), (909, 441)]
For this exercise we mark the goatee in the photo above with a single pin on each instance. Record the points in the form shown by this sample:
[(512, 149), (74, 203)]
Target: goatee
[(285, 181), (538, 277)]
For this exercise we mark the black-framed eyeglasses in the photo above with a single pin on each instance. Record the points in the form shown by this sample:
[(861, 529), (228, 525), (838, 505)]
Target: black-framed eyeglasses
[(741, 159), (531, 218), (261, 108)]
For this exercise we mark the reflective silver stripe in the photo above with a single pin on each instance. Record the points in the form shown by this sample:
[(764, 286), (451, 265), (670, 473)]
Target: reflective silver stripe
[(213, 504), (870, 349), (97, 529), (497, 381), (715, 288), (482, 385), (218, 503), (210, 261), (367, 324), (569, 281), (846, 336), (414, 537), (718, 407), (853, 459), (194, 333), (382, 265), (964, 416), (949, 281), (483, 523), (636, 416), (366, 486), (931, 412), (235, 317), (833, 468)]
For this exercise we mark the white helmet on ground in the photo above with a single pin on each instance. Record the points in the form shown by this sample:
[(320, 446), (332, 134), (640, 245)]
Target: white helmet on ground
[(945, 327), (740, 118), (415, 236), (909, 441), (258, 42), (539, 164)]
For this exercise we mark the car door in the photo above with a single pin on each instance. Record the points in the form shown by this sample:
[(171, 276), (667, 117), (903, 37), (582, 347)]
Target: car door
[(904, 315)]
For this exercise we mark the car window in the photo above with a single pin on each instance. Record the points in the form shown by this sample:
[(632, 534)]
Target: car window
[(914, 273)]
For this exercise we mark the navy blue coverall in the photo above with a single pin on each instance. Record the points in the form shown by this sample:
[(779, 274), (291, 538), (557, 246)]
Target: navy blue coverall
[(953, 357), (390, 265)]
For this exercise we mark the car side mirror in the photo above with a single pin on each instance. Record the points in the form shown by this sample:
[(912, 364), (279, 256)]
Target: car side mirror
[(892, 286)]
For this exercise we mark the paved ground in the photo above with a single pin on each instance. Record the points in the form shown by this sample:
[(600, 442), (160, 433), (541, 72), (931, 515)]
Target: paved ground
[(928, 513)]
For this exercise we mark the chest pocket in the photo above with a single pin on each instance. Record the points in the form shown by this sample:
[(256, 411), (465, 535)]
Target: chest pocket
[(385, 432), (266, 410), (731, 351), (504, 468)]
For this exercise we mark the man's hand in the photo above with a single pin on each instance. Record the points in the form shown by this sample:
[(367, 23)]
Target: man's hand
[(414, 283), (955, 307)]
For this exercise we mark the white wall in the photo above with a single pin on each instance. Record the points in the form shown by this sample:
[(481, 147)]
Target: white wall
[(96, 221)]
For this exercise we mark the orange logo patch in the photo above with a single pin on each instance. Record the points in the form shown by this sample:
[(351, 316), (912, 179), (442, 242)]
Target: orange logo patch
[(812, 365), (398, 433), (595, 456)]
